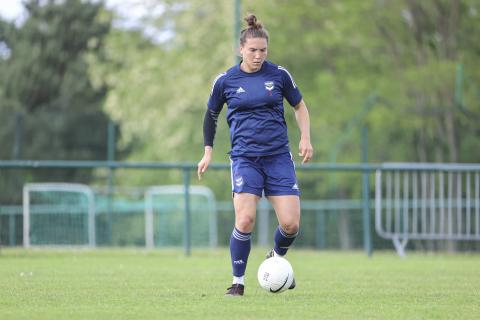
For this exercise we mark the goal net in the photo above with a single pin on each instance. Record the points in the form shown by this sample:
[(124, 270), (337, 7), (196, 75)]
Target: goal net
[(58, 214), (165, 223)]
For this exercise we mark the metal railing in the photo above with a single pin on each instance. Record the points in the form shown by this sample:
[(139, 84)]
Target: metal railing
[(427, 202), (186, 168), (399, 206)]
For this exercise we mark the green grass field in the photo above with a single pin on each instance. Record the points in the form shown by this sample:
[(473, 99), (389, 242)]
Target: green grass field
[(137, 284)]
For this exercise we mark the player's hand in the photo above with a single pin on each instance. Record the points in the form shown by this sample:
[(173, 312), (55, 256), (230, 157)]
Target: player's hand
[(305, 150), (205, 162)]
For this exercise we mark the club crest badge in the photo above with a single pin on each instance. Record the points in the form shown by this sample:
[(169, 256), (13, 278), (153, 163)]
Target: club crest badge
[(269, 85), (238, 181)]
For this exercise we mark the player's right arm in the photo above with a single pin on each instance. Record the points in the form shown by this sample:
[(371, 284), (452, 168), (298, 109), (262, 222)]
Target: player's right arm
[(215, 105), (205, 162), (209, 130)]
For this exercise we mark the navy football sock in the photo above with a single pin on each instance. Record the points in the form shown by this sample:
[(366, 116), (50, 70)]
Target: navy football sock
[(240, 245), (283, 241)]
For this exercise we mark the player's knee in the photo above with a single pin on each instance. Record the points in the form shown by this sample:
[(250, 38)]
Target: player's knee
[(291, 227), (245, 224)]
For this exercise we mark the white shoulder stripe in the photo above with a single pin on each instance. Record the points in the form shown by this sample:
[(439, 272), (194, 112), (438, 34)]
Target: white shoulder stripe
[(215, 81), (291, 78)]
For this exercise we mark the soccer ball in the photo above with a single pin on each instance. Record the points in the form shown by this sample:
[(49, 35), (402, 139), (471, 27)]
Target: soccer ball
[(275, 274)]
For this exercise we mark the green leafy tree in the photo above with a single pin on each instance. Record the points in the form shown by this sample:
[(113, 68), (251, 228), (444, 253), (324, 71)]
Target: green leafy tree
[(46, 86), (340, 53), (160, 89)]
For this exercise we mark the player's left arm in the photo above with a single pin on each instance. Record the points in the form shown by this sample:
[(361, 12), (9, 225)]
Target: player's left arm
[(305, 148)]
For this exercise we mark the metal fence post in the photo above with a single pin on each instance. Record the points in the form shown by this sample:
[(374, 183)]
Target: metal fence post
[(263, 223), (187, 230), (320, 229), (367, 239), (236, 27), (12, 231), (111, 176)]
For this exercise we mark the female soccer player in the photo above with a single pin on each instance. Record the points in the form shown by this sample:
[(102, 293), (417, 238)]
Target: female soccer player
[(261, 162)]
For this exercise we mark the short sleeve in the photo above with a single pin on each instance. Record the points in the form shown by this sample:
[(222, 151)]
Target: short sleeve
[(290, 89), (217, 98)]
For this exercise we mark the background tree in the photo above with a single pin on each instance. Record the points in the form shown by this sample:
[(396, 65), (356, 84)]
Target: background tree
[(159, 93), (50, 108), (63, 68), (339, 52)]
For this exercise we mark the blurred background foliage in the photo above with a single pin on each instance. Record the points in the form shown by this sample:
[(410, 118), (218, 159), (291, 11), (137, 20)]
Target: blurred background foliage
[(69, 69)]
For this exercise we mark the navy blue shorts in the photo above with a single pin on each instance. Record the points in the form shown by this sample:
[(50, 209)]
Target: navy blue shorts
[(272, 175)]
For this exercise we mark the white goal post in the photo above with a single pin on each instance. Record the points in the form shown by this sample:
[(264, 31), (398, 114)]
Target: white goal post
[(57, 187), (153, 191)]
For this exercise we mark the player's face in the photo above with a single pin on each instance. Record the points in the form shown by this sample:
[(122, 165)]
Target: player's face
[(254, 53)]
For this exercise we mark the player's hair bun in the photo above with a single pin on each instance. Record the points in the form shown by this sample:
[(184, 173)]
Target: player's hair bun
[(254, 29), (252, 22)]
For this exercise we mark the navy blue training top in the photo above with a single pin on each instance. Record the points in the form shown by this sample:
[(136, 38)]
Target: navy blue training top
[(255, 111)]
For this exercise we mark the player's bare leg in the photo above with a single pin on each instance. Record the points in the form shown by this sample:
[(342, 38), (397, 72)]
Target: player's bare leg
[(245, 205), (287, 209)]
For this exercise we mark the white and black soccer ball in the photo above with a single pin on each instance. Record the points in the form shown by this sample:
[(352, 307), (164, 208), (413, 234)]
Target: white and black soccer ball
[(275, 274)]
